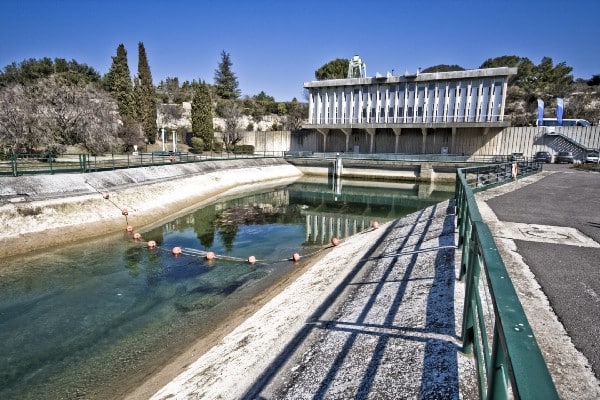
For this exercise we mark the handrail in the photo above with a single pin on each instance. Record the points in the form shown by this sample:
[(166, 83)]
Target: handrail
[(28, 164), (509, 361)]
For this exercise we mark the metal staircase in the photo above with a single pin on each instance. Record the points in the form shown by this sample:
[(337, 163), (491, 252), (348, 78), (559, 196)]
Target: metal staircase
[(563, 142)]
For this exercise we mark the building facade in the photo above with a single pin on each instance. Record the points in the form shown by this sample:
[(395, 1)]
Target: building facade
[(426, 102)]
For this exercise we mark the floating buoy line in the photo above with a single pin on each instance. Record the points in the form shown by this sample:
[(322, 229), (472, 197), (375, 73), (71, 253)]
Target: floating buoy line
[(178, 251), (210, 256)]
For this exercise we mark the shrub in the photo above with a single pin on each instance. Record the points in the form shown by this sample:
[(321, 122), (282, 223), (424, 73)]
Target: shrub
[(243, 149), (217, 146), (197, 145)]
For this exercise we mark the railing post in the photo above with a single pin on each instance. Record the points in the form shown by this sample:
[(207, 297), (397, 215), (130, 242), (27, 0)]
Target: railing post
[(82, 163), (13, 163), (497, 382), (472, 273)]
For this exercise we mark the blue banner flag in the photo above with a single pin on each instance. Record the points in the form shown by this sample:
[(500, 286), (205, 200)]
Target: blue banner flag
[(559, 111), (540, 112)]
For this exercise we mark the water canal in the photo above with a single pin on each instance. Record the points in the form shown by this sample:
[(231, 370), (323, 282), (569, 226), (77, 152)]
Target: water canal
[(90, 320)]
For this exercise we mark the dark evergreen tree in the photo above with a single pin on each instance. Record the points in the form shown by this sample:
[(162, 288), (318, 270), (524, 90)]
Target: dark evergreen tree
[(137, 97), (336, 69), (443, 68), (118, 83), (146, 96), (202, 116), (226, 83), (28, 71)]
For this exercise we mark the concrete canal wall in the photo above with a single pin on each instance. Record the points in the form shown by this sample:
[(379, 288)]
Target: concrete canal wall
[(41, 211)]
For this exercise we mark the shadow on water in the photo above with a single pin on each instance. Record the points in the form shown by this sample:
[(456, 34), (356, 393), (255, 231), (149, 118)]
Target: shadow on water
[(439, 378)]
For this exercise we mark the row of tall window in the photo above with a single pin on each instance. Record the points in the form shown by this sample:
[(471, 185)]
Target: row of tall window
[(473, 100)]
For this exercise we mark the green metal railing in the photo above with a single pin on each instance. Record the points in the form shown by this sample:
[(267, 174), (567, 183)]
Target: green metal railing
[(28, 164), (485, 176), (509, 361)]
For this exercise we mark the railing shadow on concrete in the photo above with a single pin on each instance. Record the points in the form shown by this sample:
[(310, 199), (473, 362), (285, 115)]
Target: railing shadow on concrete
[(509, 361), (437, 335)]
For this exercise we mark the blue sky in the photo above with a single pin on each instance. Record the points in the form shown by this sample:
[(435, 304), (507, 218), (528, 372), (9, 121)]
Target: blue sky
[(276, 45)]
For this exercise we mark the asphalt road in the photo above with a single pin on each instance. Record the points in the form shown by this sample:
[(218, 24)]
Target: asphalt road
[(569, 275)]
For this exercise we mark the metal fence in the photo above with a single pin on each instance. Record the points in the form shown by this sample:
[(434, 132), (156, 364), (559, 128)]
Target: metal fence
[(488, 175), (380, 156), (509, 361), (28, 164)]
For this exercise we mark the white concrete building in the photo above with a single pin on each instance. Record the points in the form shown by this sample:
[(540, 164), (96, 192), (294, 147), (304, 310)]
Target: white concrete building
[(442, 100)]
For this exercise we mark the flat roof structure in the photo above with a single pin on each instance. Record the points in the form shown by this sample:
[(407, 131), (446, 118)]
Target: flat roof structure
[(472, 98)]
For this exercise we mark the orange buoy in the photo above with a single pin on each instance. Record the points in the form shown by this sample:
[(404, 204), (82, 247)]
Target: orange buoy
[(251, 259), (137, 236), (151, 244), (335, 241), (296, 257), (375, 225), (129, 228), (124, 212), (210, 255), (176, 250)]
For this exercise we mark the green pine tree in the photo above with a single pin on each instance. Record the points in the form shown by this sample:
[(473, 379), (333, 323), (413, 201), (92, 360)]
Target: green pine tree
[(226, 83), (118, 83), (146, 96), (202, 116)]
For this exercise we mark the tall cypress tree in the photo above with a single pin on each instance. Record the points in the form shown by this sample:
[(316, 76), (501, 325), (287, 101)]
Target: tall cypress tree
[(118, 83), (226, 83), (202, 116), (146, 96)]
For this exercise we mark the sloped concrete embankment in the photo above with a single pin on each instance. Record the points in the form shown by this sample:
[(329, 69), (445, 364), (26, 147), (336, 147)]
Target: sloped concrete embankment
[(45, 210), (376, 316)]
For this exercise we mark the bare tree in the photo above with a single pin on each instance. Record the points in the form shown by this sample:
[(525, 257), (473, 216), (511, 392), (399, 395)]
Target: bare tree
[(297, 114), (233, 118), (52, 114), (19, 128), (170, 114), (74, 114)]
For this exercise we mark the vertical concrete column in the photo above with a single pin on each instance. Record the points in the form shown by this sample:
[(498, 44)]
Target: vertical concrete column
[(397, 132), (371, 132), (504, 95), (347, 132), (324, 132), (426, 173), (424, 133), (311, 106), (453, 149)]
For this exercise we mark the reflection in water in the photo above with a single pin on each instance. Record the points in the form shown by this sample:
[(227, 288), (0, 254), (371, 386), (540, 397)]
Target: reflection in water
[(89, 320)]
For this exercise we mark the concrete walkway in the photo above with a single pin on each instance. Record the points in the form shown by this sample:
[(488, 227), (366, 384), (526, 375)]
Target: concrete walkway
[(377, 317)]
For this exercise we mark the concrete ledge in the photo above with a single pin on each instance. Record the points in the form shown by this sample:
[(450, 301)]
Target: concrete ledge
[(380, 169)]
